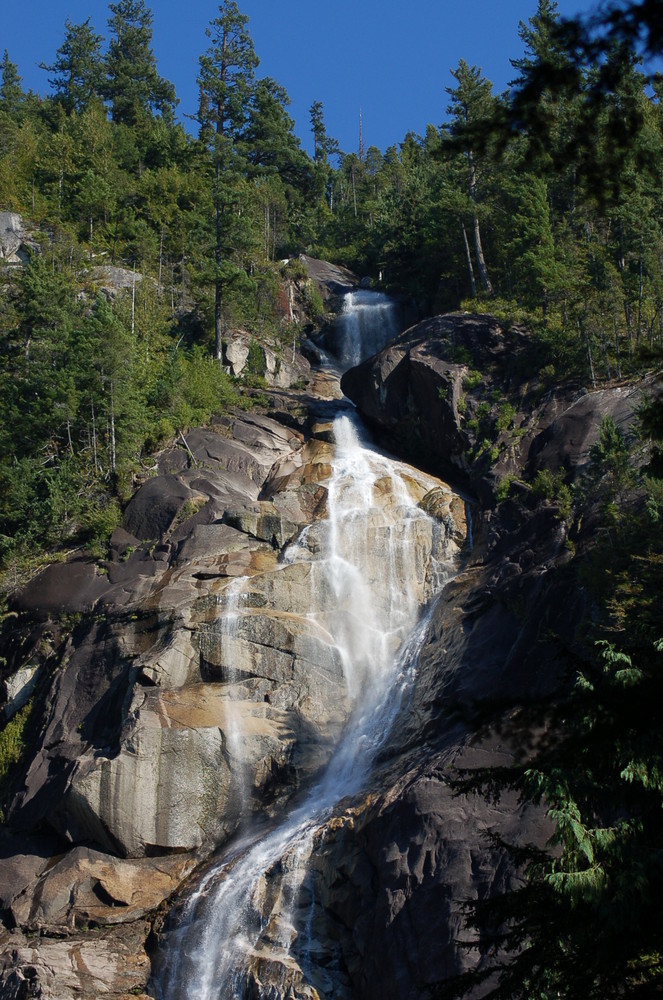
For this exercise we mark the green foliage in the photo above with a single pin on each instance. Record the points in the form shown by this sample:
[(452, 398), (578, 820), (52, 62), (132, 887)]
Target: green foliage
[(315, 306), (12, 747), (132, 84), (504, 487), (552, 487), (255, 362), (651, 428), (11, 92), (472, 380), (77, 71), (506, 416)]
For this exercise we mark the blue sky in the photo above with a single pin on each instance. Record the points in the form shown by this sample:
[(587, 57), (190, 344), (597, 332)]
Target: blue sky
[(390, 58)]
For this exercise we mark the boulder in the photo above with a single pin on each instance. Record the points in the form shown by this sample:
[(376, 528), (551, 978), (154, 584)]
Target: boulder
[(331, 279), (16, 241), (111, 280), (151, 512), (106, 963), (87, 888)]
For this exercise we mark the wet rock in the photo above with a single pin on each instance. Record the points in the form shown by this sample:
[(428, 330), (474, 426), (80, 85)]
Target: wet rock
[(262, 521), (200, 687)]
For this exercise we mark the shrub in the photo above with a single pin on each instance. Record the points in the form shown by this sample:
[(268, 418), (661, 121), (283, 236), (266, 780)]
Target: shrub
[(506, 416), (504, 487), (12, 746), (551, 486), (472, 379)]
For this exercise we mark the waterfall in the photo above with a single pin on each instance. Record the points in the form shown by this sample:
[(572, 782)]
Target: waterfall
[(372, 564), (375, 561), (367, 323)]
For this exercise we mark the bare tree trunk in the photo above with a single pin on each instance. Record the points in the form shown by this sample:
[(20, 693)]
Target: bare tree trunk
[(640, 294), (583, 333), (617, 355), (94, 435), (604, 346), (218, 288), (478, 248), (469, 262), (112, 428), (133, 302)]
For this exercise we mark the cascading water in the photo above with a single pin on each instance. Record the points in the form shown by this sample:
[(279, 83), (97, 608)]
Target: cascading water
[(375, 561), (368, 322)]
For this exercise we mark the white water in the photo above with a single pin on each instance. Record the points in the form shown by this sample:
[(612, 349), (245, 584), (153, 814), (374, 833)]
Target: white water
[(366, 324), (244, 915), (233, 602)]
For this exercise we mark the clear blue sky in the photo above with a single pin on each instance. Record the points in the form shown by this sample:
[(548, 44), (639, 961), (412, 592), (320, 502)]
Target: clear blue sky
[(390, 58)]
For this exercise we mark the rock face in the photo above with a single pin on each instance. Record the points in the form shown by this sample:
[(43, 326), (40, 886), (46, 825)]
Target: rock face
[(16, 242), (188, 688), (455, 391), (279, 365), (332, 280)]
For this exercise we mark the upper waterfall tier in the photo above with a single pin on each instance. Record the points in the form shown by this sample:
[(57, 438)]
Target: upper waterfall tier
[(367, 322)]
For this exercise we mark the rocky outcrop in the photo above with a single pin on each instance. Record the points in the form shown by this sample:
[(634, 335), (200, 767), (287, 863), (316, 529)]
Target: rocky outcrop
[(457, 392), (16, 240), (280, 364), (101, 963), (332, 280), (111, 280)]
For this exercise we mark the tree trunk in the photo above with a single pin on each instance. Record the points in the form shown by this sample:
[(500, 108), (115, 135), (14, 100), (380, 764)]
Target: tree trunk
[(478, 248), (218, 289), (590, 359), (112, 428), (468, 255), (94, 436), (617, 355)]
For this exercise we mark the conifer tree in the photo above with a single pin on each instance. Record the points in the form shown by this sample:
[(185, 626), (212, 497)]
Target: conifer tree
[(225, 82), (12, 95), (133, 85), (77, 71), (471, 103), (323, 145)]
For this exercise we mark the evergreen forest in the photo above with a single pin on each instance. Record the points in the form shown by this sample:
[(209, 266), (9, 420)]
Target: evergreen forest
[(542, 206)]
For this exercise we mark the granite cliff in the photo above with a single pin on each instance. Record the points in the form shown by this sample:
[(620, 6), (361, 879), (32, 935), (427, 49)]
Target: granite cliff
[(187, 688)]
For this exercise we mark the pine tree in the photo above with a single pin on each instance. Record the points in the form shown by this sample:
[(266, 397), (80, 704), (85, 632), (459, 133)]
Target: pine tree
[(531, 245), (12, 95), (225, 82), (324, 146), (226, 75), (77, 71), (133, 86), (471, 104)]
